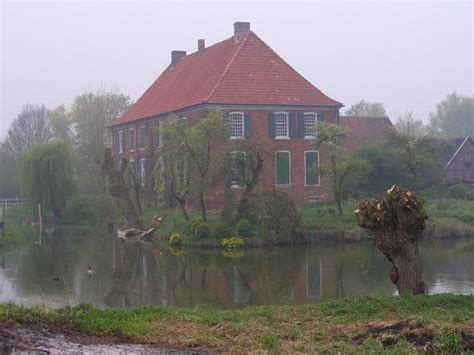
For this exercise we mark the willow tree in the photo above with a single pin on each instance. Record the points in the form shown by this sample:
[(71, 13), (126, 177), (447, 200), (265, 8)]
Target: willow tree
[(397, 221), (46, 175)]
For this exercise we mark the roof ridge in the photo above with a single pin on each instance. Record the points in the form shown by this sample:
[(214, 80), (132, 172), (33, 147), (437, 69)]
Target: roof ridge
[(227, 67), (296, 71)]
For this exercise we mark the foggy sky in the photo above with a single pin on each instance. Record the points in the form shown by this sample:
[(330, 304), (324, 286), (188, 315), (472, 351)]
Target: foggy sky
[(406, 55)]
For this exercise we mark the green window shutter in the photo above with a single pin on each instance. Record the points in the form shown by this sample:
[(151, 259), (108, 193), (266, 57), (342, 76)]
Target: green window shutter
[(283, 168), (292, 125), (312, 166), (271, 125), (226, 119), (247, 125), (320, 117), (301, 125)]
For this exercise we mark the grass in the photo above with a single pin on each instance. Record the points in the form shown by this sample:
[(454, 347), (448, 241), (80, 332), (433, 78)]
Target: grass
[(15, 232), (345, 325)]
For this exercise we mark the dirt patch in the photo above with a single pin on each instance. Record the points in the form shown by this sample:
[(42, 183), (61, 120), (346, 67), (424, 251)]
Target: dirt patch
[(420, 335), (43, 340)]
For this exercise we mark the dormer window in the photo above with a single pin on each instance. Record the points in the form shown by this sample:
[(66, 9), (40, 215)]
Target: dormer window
[(237, 123), (310, 119), (281, 125)]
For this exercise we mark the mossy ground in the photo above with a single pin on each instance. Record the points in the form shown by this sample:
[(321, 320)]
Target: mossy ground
[(368, 324)]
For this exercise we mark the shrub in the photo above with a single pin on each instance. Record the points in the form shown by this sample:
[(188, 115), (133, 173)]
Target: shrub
[(196, 229), (79, 209), (459, 191), (176, 239), (469, 196), (221, 230), (278, 216), (244, 227), (233, 242)]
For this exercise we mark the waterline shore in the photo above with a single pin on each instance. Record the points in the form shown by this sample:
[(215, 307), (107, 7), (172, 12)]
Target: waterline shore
[(443, 322)]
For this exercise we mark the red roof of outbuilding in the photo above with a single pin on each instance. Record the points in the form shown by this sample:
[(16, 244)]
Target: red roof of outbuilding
[(365, 130), (243, 71)]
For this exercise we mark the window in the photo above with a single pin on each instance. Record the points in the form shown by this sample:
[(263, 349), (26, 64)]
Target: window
[(142, 172), (281, 125), (131, 176), (282, 168), (310, 119), (131, 133), (237, 169), (142, 137), (160, 133), (120, 142), (311, 168), (236, 125)]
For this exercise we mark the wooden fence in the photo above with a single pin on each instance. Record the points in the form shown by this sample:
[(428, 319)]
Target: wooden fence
[(5, 203)]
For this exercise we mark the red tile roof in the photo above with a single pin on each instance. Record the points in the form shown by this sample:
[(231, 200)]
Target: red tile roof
[(246, 71), (365, 130)]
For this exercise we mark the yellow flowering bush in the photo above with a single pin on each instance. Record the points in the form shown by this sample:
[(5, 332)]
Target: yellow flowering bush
[(232, 253), (233, 242), (175, 239)]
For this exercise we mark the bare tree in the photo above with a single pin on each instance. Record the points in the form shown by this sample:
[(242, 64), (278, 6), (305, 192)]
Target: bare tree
[(32, 126)]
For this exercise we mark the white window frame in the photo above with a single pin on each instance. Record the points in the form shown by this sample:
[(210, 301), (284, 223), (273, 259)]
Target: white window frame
[(287, 136), (120, 142), (319, 176), (289, 167), (242, 117), (142, 172), (310, 136), (130, 139), (236, 186), (144, 138)]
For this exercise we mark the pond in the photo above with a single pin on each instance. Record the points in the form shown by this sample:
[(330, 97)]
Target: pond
[(127, 274)]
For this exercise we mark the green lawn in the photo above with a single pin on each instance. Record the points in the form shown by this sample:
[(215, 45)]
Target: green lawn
[(366, 324)]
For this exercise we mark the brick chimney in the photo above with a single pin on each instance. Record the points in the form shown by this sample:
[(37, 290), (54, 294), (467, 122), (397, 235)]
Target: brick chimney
[(176, 56), (201, 45), (241, 28)]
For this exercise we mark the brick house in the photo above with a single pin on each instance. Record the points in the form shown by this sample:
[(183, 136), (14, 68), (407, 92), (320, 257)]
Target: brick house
[(263, 97), (459, 160)]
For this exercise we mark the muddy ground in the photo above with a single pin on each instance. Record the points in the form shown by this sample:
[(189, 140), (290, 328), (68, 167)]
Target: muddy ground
[(42, 340)]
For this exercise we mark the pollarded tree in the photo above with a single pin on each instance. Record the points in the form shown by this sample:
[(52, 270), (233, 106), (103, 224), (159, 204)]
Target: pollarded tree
[(46, 175), (345, 169), (397, 221)]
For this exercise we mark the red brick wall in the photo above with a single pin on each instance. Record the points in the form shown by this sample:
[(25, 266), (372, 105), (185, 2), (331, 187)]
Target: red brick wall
[(259, 130), (462, 167)]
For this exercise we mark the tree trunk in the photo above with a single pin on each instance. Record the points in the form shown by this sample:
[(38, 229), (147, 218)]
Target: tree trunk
[(397, 221), (182, 206), (203, 207), (339, 204), (405, 258), (119, 188)]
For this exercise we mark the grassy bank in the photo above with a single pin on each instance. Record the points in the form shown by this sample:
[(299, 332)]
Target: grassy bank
[(368, 324), (446, 214), (15, 231)]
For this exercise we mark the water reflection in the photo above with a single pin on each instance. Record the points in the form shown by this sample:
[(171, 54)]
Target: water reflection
[(132, 273)]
